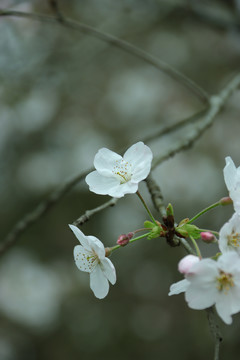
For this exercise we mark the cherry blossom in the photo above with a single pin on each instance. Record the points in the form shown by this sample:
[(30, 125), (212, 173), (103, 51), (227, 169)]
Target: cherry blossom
[(229, 235), (116, 175), (232, 180), (211, 283), (90, 257)]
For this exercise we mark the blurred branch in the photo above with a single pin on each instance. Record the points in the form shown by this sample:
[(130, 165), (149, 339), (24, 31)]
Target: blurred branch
[(112, 40), (216, 104), (178, 125), (225, 19), (214, 328), (55, 7), (86, 216), (38, 212), (214, 19)]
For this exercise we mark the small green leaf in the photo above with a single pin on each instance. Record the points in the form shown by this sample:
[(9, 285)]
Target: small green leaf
[(149, 224), (156, 231), (189, 230)]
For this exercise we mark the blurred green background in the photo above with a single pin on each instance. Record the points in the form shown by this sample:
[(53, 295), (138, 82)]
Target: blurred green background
[(64, 95)]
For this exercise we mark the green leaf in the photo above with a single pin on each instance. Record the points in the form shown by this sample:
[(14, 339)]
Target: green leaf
[(189, 230), (149, 224)]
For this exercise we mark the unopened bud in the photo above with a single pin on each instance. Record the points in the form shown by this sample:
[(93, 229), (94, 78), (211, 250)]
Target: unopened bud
[(225, 200), (169, 210), (185, 265), (123, 239), (208, 237)]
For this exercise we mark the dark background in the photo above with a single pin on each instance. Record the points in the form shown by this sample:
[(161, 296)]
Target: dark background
[(64, 95)]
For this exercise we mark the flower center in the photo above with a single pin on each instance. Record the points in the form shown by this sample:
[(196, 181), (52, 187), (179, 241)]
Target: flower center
[(122, 171), (234, 239), (224, 281)]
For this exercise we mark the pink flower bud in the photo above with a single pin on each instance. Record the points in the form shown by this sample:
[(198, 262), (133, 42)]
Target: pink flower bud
[(225, 200), (123, 239), (185, 265), (208, 237)]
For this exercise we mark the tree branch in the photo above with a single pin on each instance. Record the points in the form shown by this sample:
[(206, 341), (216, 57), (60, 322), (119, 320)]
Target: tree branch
[(214, 328), (177, 125), (112, 40), (216, 104), (156, 195), (86, 216), (38, 212)]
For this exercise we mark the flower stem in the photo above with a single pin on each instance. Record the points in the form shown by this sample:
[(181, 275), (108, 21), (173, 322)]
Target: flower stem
[(146, 207), (139, 230), (130, 241), (204, 211), (198, 252)]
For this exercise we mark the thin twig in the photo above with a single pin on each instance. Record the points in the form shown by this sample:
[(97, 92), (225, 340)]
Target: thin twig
[(156, 195), (86, 216), (186, 246), (177, 125), (123, 45), (214, 328), (157, 199)]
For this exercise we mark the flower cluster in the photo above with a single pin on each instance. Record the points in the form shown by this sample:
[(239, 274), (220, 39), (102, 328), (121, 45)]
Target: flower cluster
[(115, 176), (217, 282), (207, 282)]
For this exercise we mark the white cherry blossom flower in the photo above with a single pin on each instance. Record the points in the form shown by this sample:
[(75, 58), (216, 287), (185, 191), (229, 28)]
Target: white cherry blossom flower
[(232, 180), (229, 235), (213, 282), (90, 257), (116, 175)]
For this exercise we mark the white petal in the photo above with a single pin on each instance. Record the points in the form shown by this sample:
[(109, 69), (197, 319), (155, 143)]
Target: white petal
[(225, 230), (97, 246), (140, 157), (84, 259), (223, 312), (202, 290), (201, 297), (108, 270), (230, 173), (179, 287), (227, 304), (81, 237), (100, 184), (229, 262), (99, 283), (235, 196), (122, 189), (203, 272), (105, 161)]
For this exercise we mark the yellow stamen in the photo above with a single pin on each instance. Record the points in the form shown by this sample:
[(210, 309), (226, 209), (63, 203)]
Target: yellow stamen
[(224, 281), (234, 239)]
